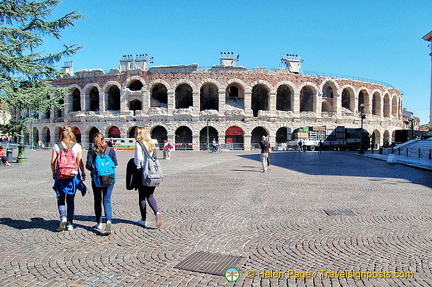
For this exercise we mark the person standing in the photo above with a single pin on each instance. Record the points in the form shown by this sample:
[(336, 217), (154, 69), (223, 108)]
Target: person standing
[(264, 145), (145, 193), (167, 148), (65, 188), (269, 151), (101, 194)]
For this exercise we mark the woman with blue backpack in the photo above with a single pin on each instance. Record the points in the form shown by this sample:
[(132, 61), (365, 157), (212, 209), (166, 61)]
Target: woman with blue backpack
[(102, 162)]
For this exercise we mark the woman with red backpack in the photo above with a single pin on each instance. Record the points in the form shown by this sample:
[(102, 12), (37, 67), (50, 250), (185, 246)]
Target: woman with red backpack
[(66, 162)]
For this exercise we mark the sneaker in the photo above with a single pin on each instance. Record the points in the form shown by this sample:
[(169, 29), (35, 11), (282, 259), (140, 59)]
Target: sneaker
[(141, 222), (69, 227), (108, 228), (158, 220), (63, 222), (98, 226)]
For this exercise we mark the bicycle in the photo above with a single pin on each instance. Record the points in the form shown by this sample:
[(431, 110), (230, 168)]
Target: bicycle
[(215, 149)]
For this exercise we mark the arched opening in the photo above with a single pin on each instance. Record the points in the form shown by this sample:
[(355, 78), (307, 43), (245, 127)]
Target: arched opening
[(92, 134), (234, 96), (282, 135), (159, 96), (160, 134), (135, 85), (94, 100), (363, 98), (77, 133), (327, 98), (348, 99), (376, 139), (114, 132), (307, 96), (209, 97), (183, 138), (76, 100), (131, 133), (207, 134), (135, 105), (113, 99), (284, 98), (234, 138), (376, 104), (386, 106), (60, 110), (183, 96), (394, 111), (386, 139), (260, 99), (256, 137)]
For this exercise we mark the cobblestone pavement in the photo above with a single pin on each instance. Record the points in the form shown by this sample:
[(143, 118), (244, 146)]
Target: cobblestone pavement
[(380, 223)]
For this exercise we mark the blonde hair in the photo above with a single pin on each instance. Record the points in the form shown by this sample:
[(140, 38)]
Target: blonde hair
[(67, 136), (99, 142), (142, 134)]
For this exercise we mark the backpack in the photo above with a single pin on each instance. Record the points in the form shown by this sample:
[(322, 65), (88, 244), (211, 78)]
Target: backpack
[(103, 169), (152, 174), (67, 166)]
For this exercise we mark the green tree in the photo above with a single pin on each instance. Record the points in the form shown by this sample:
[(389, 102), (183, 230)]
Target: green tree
[(26, 71)]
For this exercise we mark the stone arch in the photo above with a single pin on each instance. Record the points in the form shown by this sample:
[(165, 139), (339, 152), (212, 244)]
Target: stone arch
[(386, 138), (113, 132), (131, 131), (183, 135), (209, 96), (329, 93), (364, 98), (92, 132), (376, 103), (183, 96), (387, 105), (348, 98), (394, 106), (235, 94), (77, 132), (376, 139), (308, 96), (92, 92), (159, 95), (135, 105), (46, 136), (234, 137), (208, 133), (257, 134), (285, 97), (60, 110), (160, 134), (281, 135), (135, 83), (75, 98), (260, 98), (113, 98)]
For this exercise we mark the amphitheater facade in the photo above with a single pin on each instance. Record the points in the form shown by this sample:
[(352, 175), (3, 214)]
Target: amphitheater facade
[(187, 105)]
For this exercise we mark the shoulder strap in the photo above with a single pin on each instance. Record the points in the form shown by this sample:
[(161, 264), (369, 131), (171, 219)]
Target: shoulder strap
[(107, 150), (145, 150)]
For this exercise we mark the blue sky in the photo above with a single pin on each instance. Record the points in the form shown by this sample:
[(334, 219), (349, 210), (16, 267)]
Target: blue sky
[(379, 39)]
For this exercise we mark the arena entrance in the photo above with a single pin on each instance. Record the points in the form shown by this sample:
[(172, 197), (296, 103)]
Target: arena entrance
[(234, 139)]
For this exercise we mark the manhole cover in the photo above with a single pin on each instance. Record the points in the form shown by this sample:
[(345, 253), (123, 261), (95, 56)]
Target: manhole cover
[(339, 212), (210, 263)]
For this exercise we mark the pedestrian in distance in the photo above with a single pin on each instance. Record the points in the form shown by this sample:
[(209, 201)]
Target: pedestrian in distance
[(269, 151), (68, 172), (145, 193), (264, 146), (3, 157), (300, 145), (167, 148), (102, 192)]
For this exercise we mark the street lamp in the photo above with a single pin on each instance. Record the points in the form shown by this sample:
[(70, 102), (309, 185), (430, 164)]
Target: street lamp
[(362, 117)]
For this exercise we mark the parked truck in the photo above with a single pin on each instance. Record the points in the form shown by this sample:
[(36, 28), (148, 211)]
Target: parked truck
[(340, 138)]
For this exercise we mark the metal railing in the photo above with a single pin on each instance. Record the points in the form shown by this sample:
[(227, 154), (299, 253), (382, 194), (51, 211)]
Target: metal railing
[(413, 152)]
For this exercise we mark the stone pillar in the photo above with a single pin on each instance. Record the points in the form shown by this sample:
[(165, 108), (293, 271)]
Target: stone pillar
[(195, 142), (272, 103), (296, 104), (248, 104), (196, 103), (247, 142), (222, 102)]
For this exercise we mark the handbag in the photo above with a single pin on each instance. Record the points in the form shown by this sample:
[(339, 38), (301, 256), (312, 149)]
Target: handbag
[(152, 174)]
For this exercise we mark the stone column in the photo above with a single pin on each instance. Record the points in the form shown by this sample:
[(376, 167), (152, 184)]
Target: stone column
[(296, 104), (248, 104), (247, 142)]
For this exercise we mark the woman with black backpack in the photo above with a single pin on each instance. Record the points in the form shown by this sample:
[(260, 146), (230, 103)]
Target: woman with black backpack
[(99, 157)]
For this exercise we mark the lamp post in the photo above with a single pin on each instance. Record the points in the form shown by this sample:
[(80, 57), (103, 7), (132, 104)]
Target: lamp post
[(362, 117)]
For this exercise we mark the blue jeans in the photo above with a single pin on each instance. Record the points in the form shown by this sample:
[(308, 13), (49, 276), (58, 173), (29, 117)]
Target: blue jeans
[(62, 199), (102, 195)]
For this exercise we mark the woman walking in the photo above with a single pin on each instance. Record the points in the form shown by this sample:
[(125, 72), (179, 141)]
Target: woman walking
[(145, 192), (67, 182), (102, 194)]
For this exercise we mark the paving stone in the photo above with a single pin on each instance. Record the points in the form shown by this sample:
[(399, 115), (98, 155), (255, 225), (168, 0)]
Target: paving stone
[(223, 204)]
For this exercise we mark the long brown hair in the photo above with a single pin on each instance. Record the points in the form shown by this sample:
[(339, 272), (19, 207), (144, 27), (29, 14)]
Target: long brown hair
[(99, 142), (142, 134), (67, 136)]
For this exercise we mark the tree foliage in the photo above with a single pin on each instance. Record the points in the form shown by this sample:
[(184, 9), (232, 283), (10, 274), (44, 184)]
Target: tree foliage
[(26, 70)]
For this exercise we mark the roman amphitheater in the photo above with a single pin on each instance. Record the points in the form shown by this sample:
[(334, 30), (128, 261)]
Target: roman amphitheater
[(187, 105)]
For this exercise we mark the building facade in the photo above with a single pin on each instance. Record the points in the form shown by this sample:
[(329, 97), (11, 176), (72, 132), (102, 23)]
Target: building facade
[(236, 106)]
